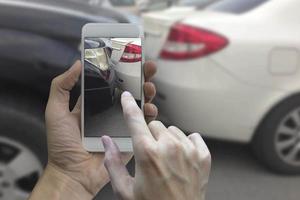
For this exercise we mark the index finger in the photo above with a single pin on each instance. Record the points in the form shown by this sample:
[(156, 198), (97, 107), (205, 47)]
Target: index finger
[(135, 120)]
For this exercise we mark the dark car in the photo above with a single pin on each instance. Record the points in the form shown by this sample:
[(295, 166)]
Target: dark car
[(99, 76), (38, 40)]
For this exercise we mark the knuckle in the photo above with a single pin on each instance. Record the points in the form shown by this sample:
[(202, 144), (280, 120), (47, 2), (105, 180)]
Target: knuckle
[(193, 135), (110, 160), (55, 81), (107, 161), (207, 158), (175, 147), (150, 152), (154, 123), (205, 161), (73, 78), (172, 128), (193, 153), (151, 160)]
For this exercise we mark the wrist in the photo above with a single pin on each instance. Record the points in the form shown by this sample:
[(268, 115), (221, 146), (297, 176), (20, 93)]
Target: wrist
[(55, 185)]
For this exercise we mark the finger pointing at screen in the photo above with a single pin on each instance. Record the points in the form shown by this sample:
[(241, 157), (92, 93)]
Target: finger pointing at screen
[(169, 165)]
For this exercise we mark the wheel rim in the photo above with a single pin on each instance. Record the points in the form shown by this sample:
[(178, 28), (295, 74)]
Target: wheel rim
[(19, 170), (287, 138)]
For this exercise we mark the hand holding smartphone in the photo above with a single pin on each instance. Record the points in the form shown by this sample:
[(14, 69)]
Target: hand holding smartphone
[(112, 57)]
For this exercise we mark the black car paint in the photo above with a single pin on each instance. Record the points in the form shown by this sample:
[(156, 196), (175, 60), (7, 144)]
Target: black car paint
[(39, 40), (98, 90)]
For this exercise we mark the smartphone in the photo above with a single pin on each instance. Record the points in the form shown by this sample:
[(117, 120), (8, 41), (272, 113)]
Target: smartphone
[(112, 57)]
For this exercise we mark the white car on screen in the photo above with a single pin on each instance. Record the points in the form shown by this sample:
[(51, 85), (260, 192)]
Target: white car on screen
[(232, 72), (127, 56)]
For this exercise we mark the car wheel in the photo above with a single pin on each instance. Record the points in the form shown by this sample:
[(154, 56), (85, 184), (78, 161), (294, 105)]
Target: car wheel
[(277, 141), (23, 151)]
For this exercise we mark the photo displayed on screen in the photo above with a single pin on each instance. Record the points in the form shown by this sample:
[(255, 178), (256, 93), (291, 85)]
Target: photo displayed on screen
[(111, 66)]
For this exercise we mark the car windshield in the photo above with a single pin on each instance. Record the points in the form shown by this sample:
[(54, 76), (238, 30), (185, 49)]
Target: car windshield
[(235, 6)]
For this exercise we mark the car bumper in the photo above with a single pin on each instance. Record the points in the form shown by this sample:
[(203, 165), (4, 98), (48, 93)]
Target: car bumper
[(201, 96), (129, 78)]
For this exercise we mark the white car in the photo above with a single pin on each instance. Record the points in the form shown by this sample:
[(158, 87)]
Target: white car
[(232, 72), (127, 55)]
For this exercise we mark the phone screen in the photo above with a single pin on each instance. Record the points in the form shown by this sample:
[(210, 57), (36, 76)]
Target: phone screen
[(111, 66)]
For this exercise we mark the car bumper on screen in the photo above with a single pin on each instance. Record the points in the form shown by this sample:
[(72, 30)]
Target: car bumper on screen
[(129, 78)]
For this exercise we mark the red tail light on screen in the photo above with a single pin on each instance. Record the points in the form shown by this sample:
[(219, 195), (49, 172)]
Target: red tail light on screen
[(132, 53), (187, 42)]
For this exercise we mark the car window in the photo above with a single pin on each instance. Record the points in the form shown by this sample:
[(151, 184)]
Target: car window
[(122, 2), (158, 6), (197, 3), (235, 6)]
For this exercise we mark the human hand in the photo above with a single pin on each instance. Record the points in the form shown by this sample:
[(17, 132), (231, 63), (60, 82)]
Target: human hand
[(169, 165), (66, 155)]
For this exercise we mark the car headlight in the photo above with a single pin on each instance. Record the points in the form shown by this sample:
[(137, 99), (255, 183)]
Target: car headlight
[(97, 57)]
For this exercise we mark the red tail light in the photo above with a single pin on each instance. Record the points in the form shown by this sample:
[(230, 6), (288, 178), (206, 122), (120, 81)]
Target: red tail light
[(187, 42), (132, 53)]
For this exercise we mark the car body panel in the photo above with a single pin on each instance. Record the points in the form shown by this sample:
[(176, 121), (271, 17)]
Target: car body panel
[(29, 58), (129, 78), (204, 98), (227, 94), (119, 45), (129, 74), (41, 39), (53, 18), (260, 45), (157, 25)]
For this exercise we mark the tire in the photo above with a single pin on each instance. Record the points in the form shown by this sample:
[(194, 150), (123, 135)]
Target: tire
[(277, 140), (22, 130)]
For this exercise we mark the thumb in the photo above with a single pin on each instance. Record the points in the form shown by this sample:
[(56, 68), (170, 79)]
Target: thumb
[(120, 178), (60, 88)]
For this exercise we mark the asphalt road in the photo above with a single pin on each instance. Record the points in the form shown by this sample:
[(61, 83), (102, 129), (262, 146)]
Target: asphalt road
[(237, 175)]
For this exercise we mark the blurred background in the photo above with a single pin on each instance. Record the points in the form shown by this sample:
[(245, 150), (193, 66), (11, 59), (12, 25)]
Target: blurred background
[(228, 69)]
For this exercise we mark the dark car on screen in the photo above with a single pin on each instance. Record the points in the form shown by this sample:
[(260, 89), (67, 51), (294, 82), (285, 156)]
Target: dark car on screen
[(99, 76), (38, 40)]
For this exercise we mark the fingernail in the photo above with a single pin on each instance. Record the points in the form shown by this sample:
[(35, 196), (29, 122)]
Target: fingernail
[(126, 94)]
